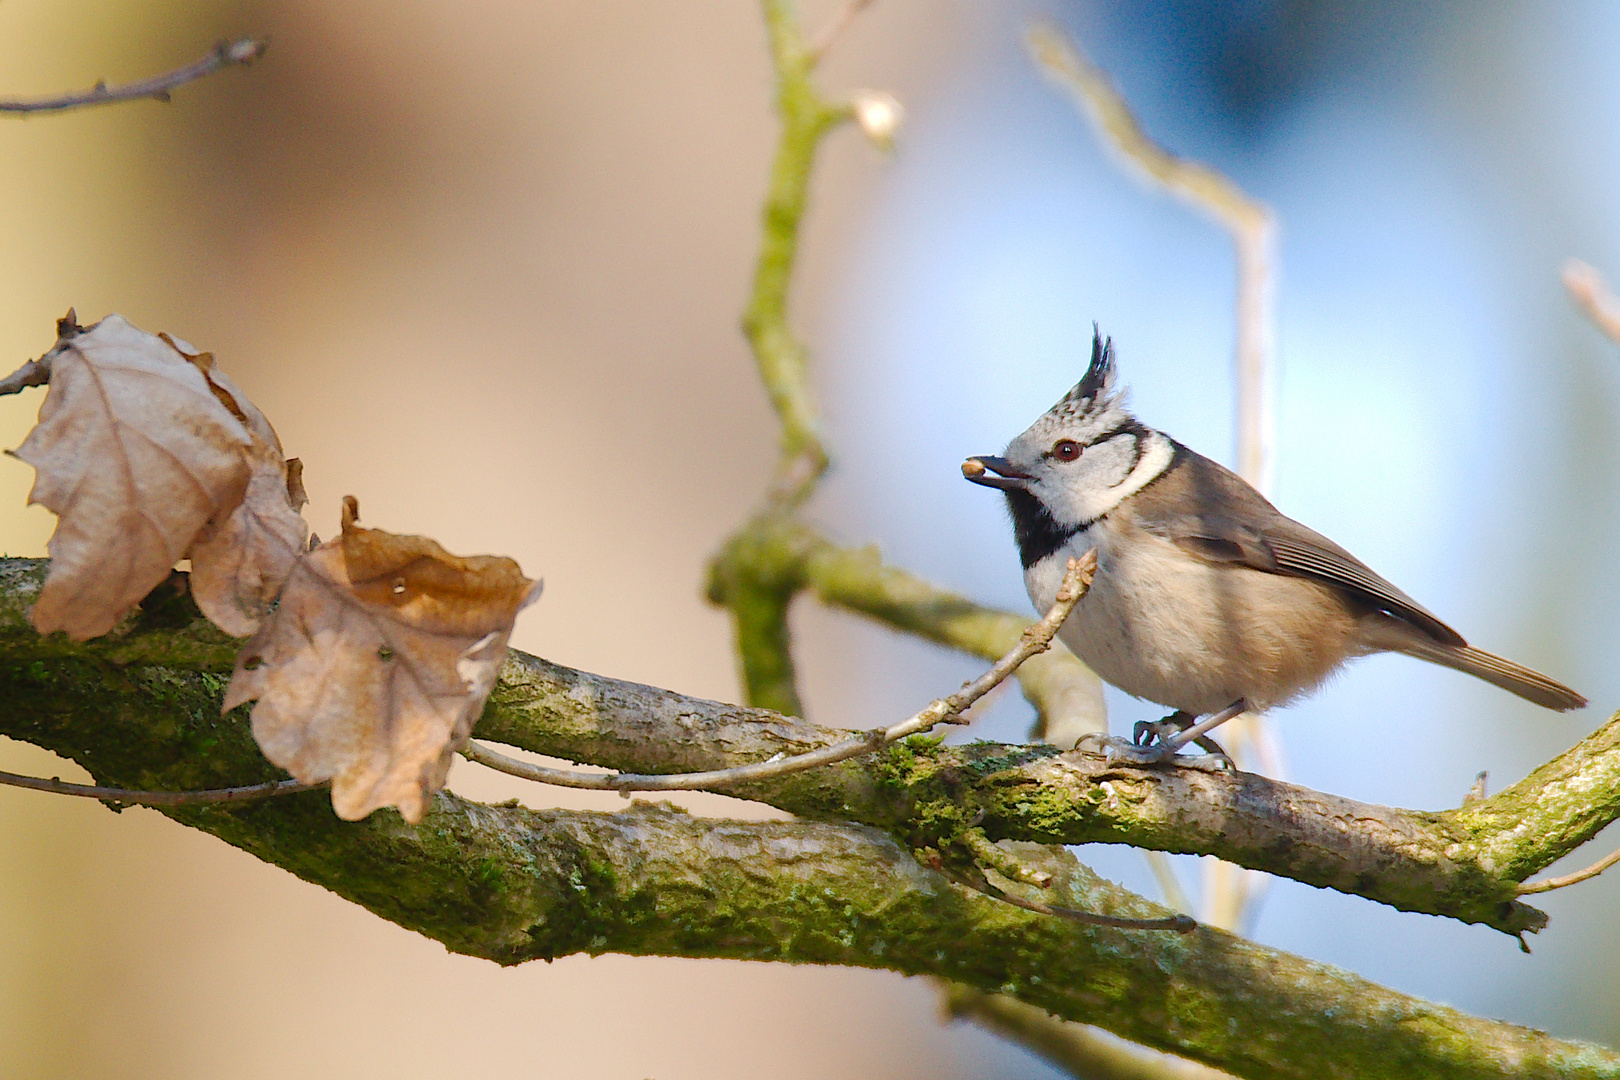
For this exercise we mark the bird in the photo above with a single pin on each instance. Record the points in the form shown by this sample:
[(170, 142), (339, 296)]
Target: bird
[(1206, 598)]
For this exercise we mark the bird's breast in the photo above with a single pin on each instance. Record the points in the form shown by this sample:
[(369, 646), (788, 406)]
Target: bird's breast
[(1162, 624)]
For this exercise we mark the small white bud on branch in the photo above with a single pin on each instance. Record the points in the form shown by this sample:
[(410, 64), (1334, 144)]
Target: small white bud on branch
[(879, 116)]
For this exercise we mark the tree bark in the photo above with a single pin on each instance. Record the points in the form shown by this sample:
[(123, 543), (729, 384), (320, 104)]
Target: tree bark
[(140, 709)]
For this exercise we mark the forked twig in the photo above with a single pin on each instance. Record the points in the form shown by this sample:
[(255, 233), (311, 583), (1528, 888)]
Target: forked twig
[(225, 54), (947, 710)]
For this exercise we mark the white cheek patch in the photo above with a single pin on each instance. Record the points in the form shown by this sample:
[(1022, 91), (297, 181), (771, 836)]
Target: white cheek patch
[(1104, 492)]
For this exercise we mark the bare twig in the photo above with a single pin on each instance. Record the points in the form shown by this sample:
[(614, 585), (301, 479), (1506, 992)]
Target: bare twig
[(204, 797), (225, 54), (33, 373), (1066, 694), (1592, 293), (836, 26), (1181, 924), (1549, 884), (948, 710)]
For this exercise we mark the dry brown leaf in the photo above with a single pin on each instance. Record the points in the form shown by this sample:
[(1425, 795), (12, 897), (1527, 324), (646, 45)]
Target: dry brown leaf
[(134, 453), (375, 664), (239, 562), (239, 565)]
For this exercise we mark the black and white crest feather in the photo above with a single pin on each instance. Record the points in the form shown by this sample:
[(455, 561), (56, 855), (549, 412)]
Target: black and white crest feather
[(1099, 378)]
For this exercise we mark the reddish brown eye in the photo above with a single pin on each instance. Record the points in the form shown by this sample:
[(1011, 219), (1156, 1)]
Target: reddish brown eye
[(1066, 450)]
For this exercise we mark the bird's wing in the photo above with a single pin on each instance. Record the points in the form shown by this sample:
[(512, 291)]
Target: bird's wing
[(1213, 514)]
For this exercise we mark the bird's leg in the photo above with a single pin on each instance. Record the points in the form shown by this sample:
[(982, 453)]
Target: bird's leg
[(1185, 720), (1199, 732), (1150, 732), (1155, 742)]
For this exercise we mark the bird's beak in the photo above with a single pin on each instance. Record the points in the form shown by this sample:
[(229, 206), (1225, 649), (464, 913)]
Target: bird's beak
[(1008, 478)]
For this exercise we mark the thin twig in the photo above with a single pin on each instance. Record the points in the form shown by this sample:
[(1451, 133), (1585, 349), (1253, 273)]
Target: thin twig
[(33, 373), (1067, 696), (1592, 293), (836, 26), (225, 54), (947, 710), (1181, 924), (1549, 884), (201, 797)]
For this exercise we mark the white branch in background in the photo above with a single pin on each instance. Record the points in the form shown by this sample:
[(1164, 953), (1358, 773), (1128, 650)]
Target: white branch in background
[(1591, 292), (947, 710), (1248, 220), (1228, 890)]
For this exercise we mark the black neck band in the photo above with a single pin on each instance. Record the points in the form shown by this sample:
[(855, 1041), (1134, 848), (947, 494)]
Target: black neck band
[(1037, 534)]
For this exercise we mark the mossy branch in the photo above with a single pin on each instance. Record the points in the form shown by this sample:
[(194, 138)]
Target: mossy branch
[(757, 591), (783, 366), (510, 884), (1465, 863)]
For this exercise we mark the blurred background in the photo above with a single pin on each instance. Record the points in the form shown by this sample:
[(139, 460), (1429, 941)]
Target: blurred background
[(482, 264)]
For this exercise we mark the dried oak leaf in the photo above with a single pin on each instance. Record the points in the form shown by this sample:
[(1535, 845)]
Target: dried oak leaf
[(239, 561), (134, 453), (375, 664)]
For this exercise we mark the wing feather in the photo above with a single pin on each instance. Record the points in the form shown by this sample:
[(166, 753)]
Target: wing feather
[(1233, 523)]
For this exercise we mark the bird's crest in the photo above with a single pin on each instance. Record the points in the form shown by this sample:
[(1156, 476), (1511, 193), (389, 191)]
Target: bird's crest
[(1094, 394)]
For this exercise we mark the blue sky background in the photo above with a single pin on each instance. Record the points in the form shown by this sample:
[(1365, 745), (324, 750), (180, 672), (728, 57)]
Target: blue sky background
[(1441, 409)]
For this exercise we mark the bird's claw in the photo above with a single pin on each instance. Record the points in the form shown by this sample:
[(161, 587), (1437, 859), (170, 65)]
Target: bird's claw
[(1154, 732), (1129, 752)]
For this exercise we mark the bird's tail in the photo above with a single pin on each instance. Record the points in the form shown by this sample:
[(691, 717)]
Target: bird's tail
[(1514, 678)]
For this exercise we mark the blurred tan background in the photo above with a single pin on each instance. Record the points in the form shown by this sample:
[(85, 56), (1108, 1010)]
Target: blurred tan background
[(481, 263)]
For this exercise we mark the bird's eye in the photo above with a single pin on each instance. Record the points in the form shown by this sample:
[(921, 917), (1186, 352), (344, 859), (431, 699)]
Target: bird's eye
[(1066, 450)]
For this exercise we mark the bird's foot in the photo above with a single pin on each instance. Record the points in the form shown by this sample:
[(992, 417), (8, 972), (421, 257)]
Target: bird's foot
[(1156, 732), (1130, 752), (1159, 732)]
